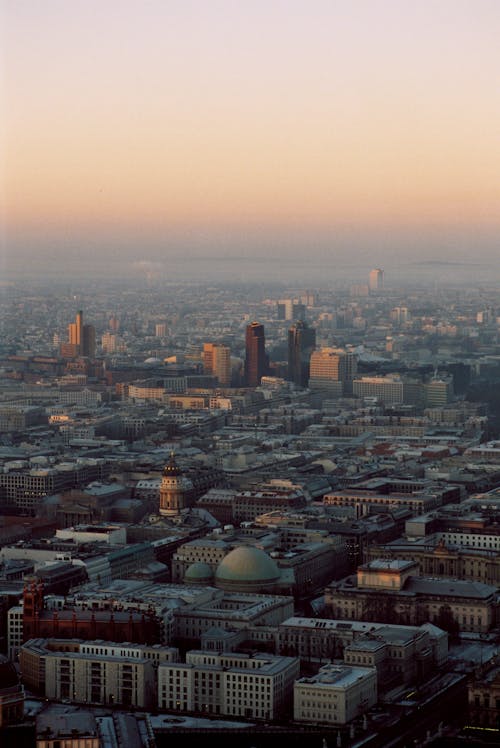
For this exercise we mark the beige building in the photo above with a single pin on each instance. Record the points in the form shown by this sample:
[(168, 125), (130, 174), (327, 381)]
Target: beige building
[(361, 501), (230, 611), (337, 694), (237, 685), (217, 361), (392, 592), (332, 369), (93, 672)]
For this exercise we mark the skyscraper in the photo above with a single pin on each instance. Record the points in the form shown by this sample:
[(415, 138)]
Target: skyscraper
[(217, 361), (256, 360), (376, 280), (81, 337), (301, 343), (75, 330)]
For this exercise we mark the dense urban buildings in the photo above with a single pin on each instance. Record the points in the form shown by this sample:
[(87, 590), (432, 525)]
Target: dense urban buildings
[(200, 519)]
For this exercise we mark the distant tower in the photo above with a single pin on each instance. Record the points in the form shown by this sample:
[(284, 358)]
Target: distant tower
[(81, 337), (174, 490), (256, 360), (301, 343), (75, 330), (376, 280)]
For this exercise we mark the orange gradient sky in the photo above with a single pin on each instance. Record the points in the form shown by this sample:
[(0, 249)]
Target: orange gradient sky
[(144, 117)]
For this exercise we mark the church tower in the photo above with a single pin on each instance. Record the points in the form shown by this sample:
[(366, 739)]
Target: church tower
[(174, 490)]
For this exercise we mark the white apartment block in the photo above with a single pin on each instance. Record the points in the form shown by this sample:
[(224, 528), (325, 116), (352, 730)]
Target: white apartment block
[(14, 631), (256, 686), (337, 694)]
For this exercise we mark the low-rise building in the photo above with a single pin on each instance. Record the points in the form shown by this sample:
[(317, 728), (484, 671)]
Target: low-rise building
[(392, 592), (95, 672), (337, 694), (238, 685)]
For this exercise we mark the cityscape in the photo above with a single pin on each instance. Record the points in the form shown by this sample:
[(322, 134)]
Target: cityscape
[(269, 511), (249, 374)]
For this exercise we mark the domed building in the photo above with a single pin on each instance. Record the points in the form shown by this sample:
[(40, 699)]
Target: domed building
[(11, 694), (199, 574), (247, 569), (173, 490)]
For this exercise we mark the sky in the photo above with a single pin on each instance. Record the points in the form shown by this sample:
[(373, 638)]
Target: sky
[(174, 130)]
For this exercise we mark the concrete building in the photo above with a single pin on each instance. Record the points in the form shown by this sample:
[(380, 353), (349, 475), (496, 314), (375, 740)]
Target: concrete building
[(389, 389), (362, 501), (229, 611), (376, 280), (235, 685), (392, 592), (92, 674), (301, 344), (256, 359), (217, 362), (332, 370), (337, 694)]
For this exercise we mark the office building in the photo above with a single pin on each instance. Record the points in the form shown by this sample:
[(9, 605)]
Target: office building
[(217, 362), (376, 280), (89, 673), (256, 360), (337, 694), (301, 344), (81, 339), (389, 389), (289, 309), (332, 369), (94, 671), (253, 686)]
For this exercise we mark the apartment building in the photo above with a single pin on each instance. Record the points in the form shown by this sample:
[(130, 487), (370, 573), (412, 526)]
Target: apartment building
[(257, 686)]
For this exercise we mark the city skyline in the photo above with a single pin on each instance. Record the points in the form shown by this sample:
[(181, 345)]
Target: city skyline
[(350, 132)]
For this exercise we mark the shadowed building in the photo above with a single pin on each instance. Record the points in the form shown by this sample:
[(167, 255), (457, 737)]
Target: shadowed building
[(301, 343), (256, 360)]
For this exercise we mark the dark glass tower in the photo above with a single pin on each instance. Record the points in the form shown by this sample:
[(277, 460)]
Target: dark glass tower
[(301, 343), (256, 361)]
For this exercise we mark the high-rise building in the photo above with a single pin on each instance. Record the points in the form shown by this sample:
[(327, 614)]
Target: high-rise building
[(217, 361), (256, 360), (161, 330), (75, 330), (376, 280), (289, 309), (81, 338), (87, 347), (333, 369), (301, 343)]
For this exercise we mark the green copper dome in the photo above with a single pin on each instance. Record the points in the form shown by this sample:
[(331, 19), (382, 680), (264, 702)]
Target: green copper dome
[(246, 567), (198, 572)]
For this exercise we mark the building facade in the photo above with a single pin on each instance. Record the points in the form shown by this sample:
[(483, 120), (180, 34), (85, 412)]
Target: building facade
[(337, 694), (234, 685), (256, 360)]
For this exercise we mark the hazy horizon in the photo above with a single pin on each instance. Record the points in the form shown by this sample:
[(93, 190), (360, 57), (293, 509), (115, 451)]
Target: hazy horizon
[(297, 135)]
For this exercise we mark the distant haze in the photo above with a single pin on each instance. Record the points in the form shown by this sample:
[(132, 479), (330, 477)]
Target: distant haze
[(232, 140)]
